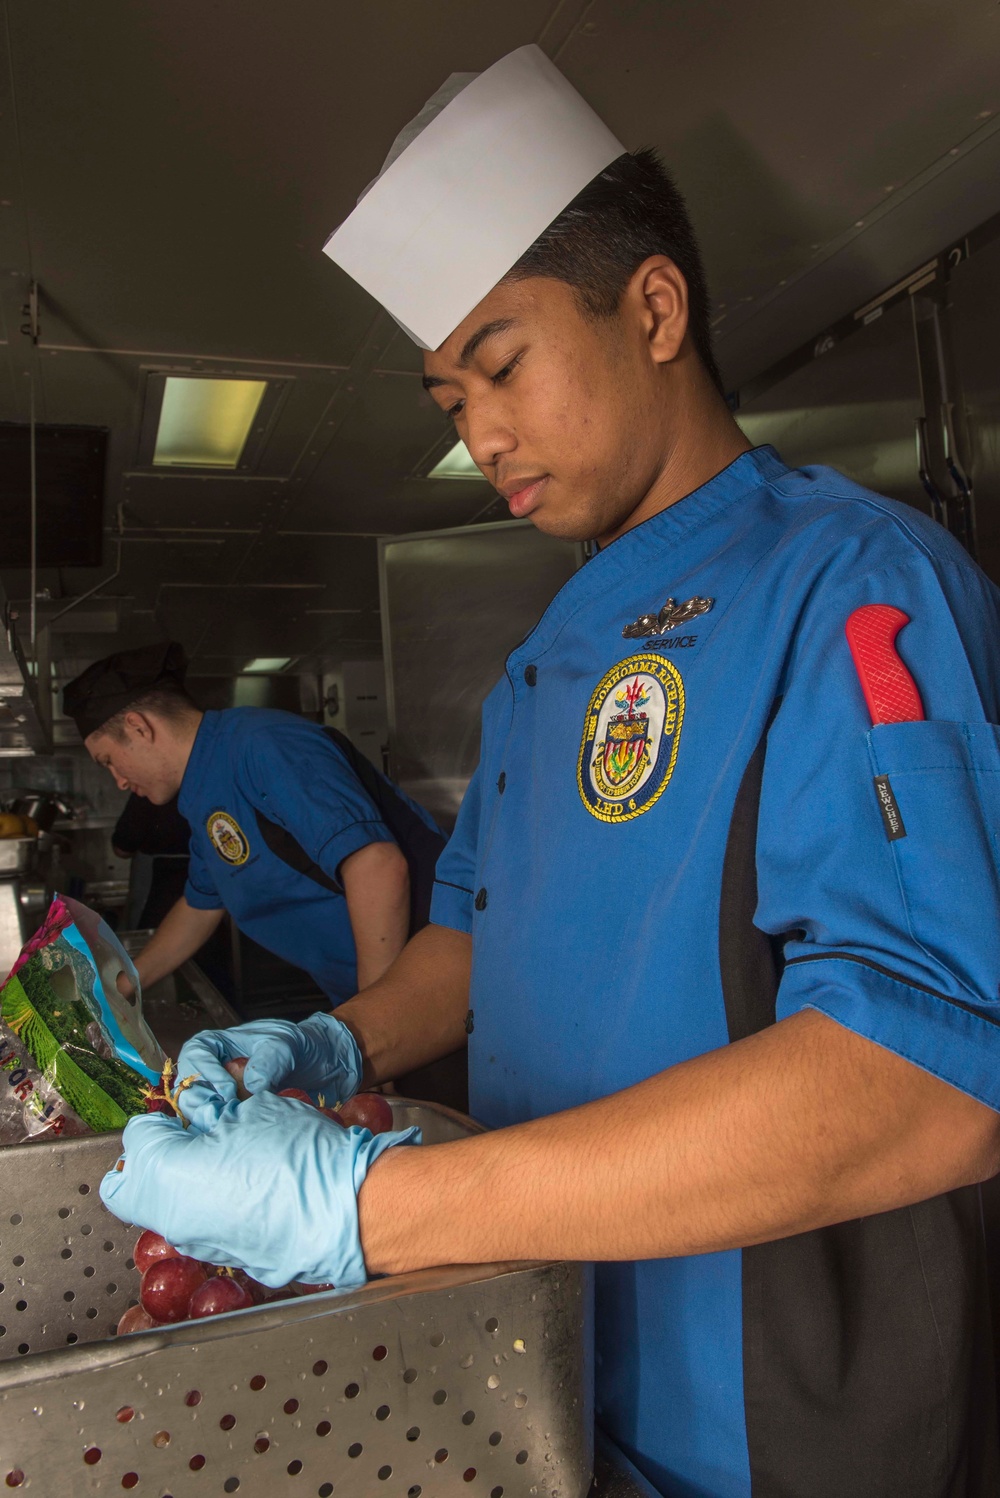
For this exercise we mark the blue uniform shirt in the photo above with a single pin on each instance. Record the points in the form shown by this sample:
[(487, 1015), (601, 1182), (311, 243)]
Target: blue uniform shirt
[(672, 842), (248, 760)]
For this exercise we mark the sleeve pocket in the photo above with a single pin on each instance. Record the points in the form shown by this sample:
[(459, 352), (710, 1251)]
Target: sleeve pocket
[(943, 781)]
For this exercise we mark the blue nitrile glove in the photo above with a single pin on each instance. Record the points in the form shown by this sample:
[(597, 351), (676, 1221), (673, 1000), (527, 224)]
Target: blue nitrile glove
[(318, 1055), (271, 1189)]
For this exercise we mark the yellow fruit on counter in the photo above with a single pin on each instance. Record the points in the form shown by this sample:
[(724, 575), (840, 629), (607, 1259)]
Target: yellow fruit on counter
[(11, 825)]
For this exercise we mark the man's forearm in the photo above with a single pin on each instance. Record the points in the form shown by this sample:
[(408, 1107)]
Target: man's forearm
[(416, 1011), (180, 934), (802, 1125), (377, 889)]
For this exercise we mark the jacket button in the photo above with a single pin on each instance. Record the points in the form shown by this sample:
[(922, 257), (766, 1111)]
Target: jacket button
[(481, 899), (502, 782), (530, 675)]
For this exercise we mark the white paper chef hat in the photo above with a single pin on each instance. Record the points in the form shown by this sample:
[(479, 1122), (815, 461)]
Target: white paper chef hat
[(488, 163)]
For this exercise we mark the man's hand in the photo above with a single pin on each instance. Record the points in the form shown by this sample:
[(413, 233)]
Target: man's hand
[(272, 1189), (318, 1055), (800, 1126)]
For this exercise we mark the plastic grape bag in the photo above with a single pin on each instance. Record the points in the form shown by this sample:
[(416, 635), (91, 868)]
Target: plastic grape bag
[(75, 1056)]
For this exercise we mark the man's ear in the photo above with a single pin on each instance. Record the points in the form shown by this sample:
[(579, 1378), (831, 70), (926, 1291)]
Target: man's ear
[(659, 293), (141, 726)]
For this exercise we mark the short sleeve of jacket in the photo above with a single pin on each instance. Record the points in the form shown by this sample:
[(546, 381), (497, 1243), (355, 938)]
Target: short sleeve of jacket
[(454, 881), (897, 936), (298, 778), (200, 891)]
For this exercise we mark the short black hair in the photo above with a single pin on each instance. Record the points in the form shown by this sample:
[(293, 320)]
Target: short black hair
[(167, 700), (630, 211)]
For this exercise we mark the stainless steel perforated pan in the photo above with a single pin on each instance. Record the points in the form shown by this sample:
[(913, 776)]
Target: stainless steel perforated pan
[(449, 1381)]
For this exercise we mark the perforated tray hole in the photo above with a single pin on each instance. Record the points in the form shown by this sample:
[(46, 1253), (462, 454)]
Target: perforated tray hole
[(290, 1406), (258, 1382), (496, 1492), (324, 1428), (352, 1391), (469, 1475), (410, 1375), (437, 1339), (325, 1490), (440, 1396), (469, 1417), (227, 1422), (294, 1468), (496, 1436), (441, 1455), (492, 1326), (380, 1352), (261, 1445), (413, 1434), (319, 1368), (384, 1473), (383, 1412), (14, 1478)]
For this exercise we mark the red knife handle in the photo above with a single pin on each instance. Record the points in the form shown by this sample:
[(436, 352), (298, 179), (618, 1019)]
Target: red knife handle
[(890, 691)]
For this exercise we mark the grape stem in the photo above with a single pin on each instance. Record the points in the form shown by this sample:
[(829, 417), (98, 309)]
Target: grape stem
[(166, 1093)]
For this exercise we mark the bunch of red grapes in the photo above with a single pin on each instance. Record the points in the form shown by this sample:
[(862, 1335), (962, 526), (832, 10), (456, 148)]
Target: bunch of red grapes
[(176, 1288)]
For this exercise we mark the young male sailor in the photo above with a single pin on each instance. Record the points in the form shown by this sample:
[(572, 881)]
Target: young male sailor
[(314, 854), (732, 953)]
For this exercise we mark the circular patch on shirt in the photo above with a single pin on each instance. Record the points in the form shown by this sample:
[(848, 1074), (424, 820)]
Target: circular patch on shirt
[(228, 838), (630, 737)]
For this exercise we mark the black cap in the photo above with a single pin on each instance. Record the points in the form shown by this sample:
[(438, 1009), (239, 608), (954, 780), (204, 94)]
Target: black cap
[(109, 686)]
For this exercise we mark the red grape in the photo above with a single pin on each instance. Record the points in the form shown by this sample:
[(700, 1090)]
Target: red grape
[(135, 1319), (236, 1068), (296, 1092), (370, 1110), (150, 1249), (216, 1296), (168, 1285)]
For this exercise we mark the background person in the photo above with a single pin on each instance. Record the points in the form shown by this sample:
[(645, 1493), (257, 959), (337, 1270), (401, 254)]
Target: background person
[(315, 855)]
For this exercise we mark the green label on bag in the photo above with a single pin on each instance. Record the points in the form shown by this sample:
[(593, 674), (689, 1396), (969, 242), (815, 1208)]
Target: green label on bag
[(58, 1033)]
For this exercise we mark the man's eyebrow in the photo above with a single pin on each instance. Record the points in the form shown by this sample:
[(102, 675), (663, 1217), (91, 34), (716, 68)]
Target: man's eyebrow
[(472, 345)]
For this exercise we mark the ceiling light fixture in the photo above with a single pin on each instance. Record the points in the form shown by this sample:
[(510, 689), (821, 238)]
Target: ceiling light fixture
[(457, 463), (266, 663), (204, 423)]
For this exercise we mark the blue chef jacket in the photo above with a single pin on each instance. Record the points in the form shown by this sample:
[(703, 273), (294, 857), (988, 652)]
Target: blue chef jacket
[(249, 760), (673, 841)]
